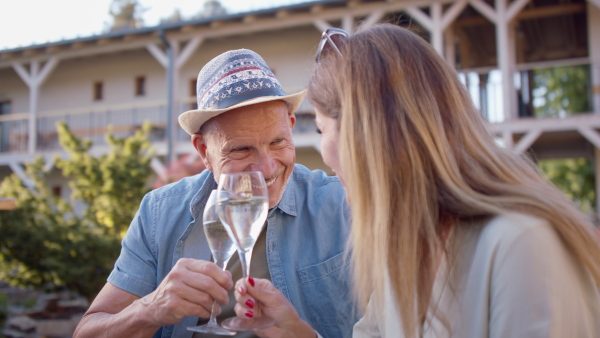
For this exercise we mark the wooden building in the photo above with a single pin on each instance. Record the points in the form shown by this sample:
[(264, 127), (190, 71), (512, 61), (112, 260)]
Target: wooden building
[(126, 77)]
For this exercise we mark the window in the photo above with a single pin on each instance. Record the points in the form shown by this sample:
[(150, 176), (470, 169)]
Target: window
[(4, 127), (140, 86), (4, 107), (57, 190), (98, 91)]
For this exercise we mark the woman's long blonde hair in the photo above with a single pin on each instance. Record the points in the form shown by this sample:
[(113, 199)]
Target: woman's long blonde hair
[(417, 156)]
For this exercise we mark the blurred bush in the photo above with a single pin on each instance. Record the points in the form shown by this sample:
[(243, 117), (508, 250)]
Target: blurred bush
[(45, 243)]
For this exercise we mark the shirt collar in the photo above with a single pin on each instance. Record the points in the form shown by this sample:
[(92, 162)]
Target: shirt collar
[(287, 203)]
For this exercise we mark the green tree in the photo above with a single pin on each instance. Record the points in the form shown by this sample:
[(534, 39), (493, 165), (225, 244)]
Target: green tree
[(575, 177), (45, 243), (562, 91)]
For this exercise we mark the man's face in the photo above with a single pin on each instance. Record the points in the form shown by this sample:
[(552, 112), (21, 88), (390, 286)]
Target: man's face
[(253, 138)]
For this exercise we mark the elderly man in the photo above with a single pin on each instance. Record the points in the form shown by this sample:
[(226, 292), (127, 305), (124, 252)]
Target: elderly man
[(164, 280)]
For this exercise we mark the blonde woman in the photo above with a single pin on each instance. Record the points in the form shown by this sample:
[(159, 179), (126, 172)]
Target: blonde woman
[(452, 235)]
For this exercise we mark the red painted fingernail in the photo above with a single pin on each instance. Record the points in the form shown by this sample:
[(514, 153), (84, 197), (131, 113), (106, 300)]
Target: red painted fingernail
[(249, 314), (241, 289), (251, 280), (250, 303)]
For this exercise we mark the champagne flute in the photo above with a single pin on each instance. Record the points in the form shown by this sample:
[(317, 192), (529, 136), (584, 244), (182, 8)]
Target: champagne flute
[(222, 248), (243, 204)]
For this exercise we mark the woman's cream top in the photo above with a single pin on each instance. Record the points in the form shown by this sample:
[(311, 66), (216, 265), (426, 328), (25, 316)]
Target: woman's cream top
[(512, 277)]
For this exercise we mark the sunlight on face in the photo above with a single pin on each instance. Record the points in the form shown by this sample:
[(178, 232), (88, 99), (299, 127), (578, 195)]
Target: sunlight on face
[(252, 138), (330, 142)]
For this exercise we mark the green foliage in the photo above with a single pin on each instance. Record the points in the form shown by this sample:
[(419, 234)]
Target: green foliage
[(562, 91), (575, 177), (45, 243)]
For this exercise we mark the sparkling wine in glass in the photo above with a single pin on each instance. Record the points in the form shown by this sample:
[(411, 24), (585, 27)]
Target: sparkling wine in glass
[(222, 248), (243, 204)]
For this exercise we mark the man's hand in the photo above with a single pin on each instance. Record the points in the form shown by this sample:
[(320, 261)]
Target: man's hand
[(188, 290)]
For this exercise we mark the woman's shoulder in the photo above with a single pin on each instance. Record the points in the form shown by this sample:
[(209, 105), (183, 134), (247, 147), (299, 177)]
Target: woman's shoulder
[(507, 239), (512, 227)]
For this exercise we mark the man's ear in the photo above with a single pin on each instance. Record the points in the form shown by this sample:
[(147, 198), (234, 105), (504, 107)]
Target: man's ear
[(292, 120), (199, 142)]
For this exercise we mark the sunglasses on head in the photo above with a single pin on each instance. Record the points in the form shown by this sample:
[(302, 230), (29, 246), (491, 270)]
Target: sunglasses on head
[(330, 40)]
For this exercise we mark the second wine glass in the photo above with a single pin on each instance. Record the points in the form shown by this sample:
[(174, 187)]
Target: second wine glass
[(243, 204), (222, 248)]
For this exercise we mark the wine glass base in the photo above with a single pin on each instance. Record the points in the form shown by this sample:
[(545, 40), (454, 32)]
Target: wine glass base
[(212, 329), (246, 324)]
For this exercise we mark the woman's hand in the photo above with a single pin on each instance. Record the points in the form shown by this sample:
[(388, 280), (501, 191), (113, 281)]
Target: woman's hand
[(258, 297)]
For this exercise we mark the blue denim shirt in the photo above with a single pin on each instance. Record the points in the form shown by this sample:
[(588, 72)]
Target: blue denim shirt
[(306, 237)]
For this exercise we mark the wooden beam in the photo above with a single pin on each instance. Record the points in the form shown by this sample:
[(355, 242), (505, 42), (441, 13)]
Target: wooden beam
[(552, 11), (188, 50), (514, 8), (453, 12), (420, 17), (103, 41), (188, 28), (321, 25), (18, 170), (485, 10), (318, 8), (216, 24), (77, 45), (552, 124), (353, 3), (158, 54), (597, 3), (23, 73), (282, 13), (530, 13), (48, 67), (348, 23), (526, 141), (54, 49), (591, 135), (31, 52), (131, 37), (373, 18), (507, 139), (249, 18)]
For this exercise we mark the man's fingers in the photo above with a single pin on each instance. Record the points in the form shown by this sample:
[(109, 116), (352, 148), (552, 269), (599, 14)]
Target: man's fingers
[(206, 289), (223, 278), (209, 281)]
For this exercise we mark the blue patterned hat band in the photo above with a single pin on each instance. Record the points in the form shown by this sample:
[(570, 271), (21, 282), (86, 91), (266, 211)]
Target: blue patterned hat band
[(234, 77), (231, 80)]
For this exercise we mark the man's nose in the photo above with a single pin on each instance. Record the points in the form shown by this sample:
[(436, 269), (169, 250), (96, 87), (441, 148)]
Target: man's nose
[(265, 163)]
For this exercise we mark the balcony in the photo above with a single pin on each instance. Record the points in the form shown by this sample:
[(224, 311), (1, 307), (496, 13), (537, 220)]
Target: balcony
[(121, 121)]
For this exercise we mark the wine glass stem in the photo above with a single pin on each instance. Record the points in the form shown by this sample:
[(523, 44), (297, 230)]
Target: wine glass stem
[(245, 257), (213, 311), (213, 314)]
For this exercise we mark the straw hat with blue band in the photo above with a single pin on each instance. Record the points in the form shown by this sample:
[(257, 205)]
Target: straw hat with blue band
[(234, 79)]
